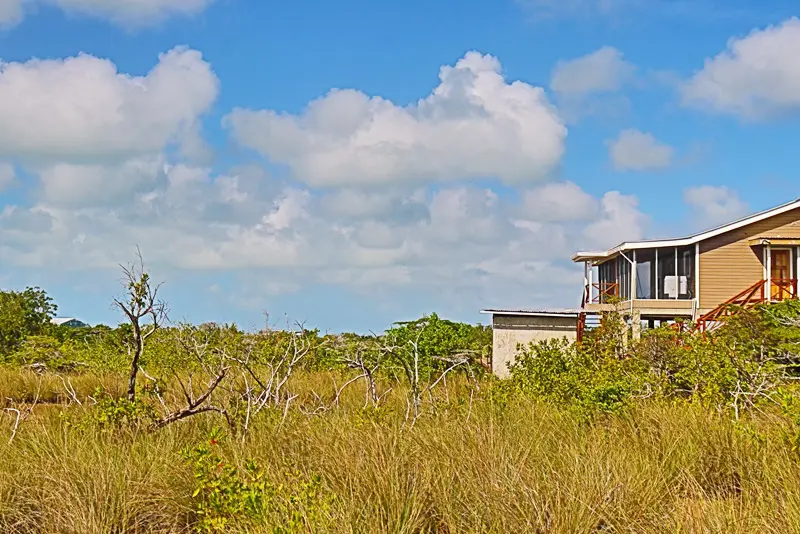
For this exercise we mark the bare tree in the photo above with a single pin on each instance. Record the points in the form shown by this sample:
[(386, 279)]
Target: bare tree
[(367, 357), (22, 410), (213, 366), (140, 303), (266, 372)]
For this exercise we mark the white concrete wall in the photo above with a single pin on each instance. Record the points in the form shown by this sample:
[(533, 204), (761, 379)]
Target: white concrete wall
[(509, 330)]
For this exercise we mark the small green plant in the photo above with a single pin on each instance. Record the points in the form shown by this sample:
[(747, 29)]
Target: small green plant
[(111, 413), (790, 408), (227, 496)]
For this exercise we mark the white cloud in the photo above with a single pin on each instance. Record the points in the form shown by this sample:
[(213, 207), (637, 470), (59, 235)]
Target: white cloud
[(66, 184), (7, 176), (633, 150), (559, 201), (473, 125), (110, 168), (82, 108), (620, 221), (11, 13), (757, 75), (131, 14), (186, 219), (714, 205), (602, 71)]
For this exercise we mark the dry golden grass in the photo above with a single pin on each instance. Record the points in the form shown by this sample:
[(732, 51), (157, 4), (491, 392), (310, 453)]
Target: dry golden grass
[(466, 467)]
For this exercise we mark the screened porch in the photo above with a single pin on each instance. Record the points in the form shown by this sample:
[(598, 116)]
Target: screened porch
[(667, 273)]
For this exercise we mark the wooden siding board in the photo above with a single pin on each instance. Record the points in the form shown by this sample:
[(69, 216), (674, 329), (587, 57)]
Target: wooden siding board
[(729, 264)]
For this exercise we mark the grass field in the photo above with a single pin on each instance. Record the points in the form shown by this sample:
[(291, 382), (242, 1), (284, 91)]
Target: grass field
[(473, 462)]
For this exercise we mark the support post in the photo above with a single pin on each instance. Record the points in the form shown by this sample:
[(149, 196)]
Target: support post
[(768, 269), (636, 325)]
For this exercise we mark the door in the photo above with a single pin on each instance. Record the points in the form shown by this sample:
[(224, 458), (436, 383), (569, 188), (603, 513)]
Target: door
[(781, 275)]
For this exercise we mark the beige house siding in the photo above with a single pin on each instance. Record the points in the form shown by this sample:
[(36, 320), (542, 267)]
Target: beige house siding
[(510, 330), (729, 265)]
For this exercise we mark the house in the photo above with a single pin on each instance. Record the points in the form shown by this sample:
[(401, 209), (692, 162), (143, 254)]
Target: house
[(70, 322), (694, 279)]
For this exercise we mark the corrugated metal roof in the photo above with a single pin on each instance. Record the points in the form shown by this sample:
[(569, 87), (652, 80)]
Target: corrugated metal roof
[(552, 312)]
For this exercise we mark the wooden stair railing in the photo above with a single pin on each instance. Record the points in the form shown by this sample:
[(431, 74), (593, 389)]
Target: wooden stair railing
[(755, 294), (582, 317)]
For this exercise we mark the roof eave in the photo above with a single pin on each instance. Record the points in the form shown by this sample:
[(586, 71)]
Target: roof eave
[(691, 240)]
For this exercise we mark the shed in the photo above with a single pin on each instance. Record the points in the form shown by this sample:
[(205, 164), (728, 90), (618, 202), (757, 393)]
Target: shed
[(513, 327)]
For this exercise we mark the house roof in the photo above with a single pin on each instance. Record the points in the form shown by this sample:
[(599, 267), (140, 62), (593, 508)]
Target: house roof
[(561, 312), (58, 321), (690, 240)]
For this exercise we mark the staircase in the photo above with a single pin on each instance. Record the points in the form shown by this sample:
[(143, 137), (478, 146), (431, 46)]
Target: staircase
[(747, 299)]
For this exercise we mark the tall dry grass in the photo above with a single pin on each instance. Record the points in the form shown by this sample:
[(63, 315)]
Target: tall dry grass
[(465, 467)]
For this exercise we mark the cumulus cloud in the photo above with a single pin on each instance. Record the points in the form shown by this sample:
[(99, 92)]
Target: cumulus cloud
[(11, 13), (602, 71), (188, 219), (757, 76), (474, 124), (714, 205), (620, 221), (109, 169), (558, 202), (82, 108), (128, 13), (633, 150)]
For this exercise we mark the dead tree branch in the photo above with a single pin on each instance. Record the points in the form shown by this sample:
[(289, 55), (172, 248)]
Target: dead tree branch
[(140, 303)]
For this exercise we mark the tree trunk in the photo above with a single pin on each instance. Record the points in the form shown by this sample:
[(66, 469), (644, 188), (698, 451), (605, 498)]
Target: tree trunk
[(135, 362)]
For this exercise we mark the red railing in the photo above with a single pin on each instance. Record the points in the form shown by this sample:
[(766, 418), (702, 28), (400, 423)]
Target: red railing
[(605, 292), (582, 317), (783, 289), (751, 296)]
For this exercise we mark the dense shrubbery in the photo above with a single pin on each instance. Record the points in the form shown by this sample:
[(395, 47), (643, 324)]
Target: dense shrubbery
[(744, 364), (399, 432)]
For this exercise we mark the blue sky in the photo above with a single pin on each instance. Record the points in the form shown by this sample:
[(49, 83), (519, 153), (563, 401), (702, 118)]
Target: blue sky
[(353, 163)]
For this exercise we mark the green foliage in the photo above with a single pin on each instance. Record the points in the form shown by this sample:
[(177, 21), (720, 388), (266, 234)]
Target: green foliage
[(112, 414), (41, 350), (738, 366), (560, 372), (433, 340), (227, 496), (22, 314), (790, 408)]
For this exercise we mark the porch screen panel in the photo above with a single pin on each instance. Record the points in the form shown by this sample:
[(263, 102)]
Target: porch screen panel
[(686, 274), (607, 276), (667, 283), (624, 278), (645, 274)]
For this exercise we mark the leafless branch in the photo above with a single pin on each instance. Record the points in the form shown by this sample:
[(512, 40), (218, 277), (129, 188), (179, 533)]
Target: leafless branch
[(141, 302), (16, 423)]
